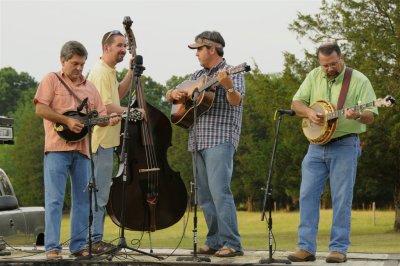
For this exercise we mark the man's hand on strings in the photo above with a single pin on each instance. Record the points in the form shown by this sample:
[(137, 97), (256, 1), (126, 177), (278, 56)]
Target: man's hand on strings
[(74, 125), (179, 94), (315, 117)]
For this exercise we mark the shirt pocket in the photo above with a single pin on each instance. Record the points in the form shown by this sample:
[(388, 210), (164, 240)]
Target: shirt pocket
[(62, 99), (61, 91)]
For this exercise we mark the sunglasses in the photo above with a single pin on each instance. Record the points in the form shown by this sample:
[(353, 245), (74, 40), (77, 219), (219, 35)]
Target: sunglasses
[(114, 32)]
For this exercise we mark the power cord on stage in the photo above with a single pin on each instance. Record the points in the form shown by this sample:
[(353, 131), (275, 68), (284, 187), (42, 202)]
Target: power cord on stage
[(184, 228)]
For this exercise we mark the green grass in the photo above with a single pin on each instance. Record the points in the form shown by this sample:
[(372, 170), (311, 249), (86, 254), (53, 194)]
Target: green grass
[(366, 237)]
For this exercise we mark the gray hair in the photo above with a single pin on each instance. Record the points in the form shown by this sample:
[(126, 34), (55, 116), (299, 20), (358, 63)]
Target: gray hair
[(72, 48)]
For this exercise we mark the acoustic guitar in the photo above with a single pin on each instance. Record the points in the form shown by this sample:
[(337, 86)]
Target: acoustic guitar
[(322, 134), (182, 110), (89, 120)]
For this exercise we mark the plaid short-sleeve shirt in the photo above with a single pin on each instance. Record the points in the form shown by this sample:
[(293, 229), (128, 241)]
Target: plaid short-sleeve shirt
[(222, 123)]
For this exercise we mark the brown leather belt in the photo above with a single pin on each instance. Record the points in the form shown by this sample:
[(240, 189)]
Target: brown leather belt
[(342, 137)]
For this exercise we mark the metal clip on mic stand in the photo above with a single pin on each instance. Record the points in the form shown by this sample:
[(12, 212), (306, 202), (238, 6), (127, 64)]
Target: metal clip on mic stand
[(138, 69), (268, 201), (194, 186)]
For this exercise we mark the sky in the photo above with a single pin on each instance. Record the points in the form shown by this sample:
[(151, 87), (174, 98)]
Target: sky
[(256, 32)]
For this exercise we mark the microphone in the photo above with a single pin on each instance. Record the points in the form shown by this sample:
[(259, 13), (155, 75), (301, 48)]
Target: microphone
[(286, 112), (83, 104), (138, 60), (138, 67)]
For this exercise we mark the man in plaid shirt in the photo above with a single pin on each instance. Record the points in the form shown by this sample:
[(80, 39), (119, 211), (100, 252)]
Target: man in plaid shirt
[(218, 132)]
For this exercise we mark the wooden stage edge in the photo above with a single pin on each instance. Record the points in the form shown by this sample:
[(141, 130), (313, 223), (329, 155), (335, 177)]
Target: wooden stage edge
[(36, 256)]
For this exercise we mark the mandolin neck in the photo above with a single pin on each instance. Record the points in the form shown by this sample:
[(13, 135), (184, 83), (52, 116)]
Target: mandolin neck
[(98, 120)]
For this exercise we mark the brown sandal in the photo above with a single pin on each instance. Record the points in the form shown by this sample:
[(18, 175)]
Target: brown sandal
[(228, 252), (81, 253), (206, 250), (53, 255)]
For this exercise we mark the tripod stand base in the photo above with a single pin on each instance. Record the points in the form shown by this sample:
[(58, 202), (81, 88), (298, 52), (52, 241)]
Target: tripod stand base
[(193, 258), (271, 260), (122, 245), (5, 253)]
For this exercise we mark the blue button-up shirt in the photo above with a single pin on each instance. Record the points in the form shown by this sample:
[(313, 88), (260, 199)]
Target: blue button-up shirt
[(222, 123)]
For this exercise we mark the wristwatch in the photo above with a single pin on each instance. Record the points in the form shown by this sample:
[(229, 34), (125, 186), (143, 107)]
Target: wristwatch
[(231, 90)]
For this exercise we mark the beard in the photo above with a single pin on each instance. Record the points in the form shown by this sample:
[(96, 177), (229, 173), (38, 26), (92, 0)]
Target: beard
[(332, 74), (120, 58)]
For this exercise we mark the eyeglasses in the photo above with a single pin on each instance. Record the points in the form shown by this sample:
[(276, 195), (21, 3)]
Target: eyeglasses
[(114, 32), (331, 65)]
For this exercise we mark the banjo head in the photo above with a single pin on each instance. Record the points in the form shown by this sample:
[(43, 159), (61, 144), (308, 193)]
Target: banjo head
[(319, 134)]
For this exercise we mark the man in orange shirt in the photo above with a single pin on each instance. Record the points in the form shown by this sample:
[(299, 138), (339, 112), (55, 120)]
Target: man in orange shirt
[(63, 158)]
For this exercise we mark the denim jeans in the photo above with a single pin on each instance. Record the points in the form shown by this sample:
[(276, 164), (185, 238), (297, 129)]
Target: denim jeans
[(57, 166), (338, 161), (103, 166), (214, 172)]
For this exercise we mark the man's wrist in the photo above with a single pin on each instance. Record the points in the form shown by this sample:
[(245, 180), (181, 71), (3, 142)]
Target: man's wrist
[(231, 90), (168, 95), (359, 116)]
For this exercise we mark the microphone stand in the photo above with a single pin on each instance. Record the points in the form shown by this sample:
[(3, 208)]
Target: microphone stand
[(92, 181), (194, 188), (268, 201), (138, 69)]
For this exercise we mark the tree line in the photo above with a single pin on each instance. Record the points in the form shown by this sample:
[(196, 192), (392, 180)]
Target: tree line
[(368, 32)]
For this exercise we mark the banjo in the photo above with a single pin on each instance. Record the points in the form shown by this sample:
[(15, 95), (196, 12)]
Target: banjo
[(322, 134)]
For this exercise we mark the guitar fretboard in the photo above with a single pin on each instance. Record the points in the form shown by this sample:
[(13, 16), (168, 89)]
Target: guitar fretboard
[(233, 70)]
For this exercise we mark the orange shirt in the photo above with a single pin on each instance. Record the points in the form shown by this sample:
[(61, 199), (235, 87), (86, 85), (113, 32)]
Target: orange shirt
[(53, 93)]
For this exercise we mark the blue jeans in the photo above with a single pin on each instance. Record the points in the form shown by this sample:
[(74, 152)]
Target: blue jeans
[(214, 172), (338, 160), (103, 166), (57, 166)]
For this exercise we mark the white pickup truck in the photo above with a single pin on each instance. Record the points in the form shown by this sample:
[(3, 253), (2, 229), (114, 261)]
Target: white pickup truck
[(18, 225)]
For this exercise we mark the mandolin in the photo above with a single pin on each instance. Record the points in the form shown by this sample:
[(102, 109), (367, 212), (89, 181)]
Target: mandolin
[(89, 120)]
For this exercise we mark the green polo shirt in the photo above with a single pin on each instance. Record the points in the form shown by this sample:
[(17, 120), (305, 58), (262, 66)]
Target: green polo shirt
[(317, 86)]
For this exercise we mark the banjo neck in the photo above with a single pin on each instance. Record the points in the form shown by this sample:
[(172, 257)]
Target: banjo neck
[(341, 112)]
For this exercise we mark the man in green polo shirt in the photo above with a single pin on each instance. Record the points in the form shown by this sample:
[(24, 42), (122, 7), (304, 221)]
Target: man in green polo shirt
[(336, 159)]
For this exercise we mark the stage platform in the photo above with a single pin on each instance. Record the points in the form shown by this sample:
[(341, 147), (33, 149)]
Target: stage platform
[(36, 256)]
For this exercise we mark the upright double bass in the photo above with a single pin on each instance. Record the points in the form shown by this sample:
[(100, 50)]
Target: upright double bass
[(156, 196)]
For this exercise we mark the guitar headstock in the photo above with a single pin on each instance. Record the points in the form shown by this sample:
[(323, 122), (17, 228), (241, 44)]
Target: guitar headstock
[(243, 67), (388, 101)]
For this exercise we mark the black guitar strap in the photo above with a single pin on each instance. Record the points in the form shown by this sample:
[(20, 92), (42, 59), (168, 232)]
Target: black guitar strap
[(69, 89)]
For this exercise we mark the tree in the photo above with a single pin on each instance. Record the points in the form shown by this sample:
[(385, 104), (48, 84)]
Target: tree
[(12, 84), (23, 161), (27, 155), (369, 33)]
